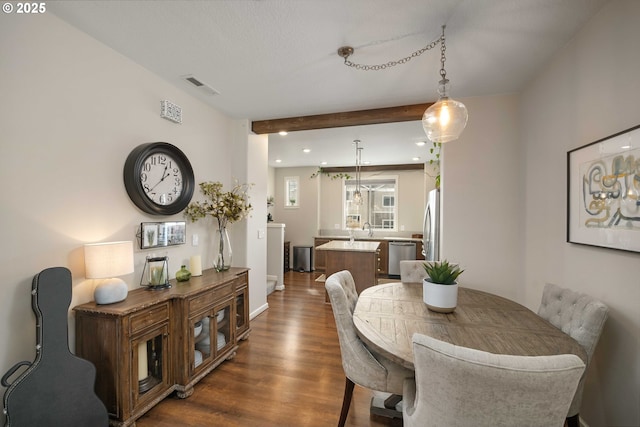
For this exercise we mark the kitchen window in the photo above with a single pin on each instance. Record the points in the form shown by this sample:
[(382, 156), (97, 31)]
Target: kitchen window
[(378, 206), (291, 191)]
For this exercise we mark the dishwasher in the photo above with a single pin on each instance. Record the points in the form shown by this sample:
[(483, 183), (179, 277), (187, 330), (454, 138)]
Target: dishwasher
[(399, 251)]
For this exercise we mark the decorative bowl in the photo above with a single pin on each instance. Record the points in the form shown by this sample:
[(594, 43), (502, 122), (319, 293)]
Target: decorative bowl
[(197, 329)]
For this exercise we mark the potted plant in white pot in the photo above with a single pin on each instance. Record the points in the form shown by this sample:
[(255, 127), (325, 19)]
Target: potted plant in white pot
[(440, 289)]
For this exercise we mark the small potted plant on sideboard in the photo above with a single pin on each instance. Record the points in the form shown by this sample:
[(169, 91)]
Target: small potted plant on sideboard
[(440, 289)]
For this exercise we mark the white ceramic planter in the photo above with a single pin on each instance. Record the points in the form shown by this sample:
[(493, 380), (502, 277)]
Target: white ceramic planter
[(440, 298)]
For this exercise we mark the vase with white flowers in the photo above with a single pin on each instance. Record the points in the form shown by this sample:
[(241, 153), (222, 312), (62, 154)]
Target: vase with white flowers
[(226, 207)]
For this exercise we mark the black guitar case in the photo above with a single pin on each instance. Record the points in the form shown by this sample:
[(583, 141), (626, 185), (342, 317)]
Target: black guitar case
[(57, 389)]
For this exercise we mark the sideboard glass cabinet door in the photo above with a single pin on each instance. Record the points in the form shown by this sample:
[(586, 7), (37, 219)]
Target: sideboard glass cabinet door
[(150, 365)]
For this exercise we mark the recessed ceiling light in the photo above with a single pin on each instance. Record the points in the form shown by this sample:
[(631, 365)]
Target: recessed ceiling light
[(278, 161), (420, 143), (306, 150), (323, 163), (415, 159), (366, 163), (283, 132)]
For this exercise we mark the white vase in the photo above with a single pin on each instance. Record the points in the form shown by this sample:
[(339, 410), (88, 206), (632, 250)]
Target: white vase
[(438, 297)]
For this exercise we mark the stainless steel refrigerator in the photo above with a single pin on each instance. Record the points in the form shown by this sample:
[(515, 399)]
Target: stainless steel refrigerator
[(431, 227)]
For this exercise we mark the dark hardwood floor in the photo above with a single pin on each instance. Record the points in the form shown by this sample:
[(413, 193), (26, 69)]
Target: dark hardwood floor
[(287, 374)]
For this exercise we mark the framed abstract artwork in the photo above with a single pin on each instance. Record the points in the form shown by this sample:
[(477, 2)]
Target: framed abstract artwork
[(603, 192)]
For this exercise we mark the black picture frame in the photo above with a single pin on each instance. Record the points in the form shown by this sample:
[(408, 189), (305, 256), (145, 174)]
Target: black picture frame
[(603, 192), (160, 234)]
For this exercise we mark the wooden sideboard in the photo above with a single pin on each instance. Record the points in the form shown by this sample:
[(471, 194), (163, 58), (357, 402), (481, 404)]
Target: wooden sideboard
[(159, 341)]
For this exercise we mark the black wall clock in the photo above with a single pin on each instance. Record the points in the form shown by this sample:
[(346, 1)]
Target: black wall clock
[(159, 178)]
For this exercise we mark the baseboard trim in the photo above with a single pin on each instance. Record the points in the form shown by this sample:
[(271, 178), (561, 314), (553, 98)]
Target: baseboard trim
[(259, 310)]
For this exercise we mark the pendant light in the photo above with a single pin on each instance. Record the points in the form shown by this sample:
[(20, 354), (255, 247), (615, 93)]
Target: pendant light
[(357, 195), (445, 120)]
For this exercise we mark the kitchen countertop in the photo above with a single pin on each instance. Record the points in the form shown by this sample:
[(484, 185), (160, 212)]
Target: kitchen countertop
[(342, 245), (374, 238)]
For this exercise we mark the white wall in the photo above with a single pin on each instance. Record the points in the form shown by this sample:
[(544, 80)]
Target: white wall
[(482, 197), (71, 111), (589, 91), (302, 221), (250, 156)]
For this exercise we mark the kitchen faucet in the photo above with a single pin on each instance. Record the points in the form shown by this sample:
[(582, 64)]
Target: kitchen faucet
[(370, 229)]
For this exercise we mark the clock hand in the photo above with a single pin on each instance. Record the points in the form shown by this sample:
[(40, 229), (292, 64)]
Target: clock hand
[(164, 175)]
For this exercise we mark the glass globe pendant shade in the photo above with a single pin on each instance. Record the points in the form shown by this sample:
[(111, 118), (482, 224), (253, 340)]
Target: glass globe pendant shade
[(445, 120), (357, 198)]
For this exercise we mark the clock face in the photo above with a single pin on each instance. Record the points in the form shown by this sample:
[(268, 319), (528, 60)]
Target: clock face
[(161, 179), (158, 178)]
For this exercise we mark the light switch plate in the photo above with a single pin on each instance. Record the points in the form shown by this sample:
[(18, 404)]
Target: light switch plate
[(261, 233)]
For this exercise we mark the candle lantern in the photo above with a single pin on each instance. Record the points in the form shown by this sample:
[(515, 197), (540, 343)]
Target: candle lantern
[(155, 274)]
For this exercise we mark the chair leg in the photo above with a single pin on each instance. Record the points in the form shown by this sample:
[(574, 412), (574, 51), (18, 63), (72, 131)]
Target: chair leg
[(573, 421), (391, 401), (346, 401)]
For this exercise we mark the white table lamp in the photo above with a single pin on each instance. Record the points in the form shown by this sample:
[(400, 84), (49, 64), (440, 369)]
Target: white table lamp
[(106, 261)]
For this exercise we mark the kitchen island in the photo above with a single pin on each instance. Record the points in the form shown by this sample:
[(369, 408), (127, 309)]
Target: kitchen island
[(359, 257)]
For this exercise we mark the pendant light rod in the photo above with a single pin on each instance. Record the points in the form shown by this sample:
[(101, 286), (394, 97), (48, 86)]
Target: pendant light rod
[(357, 195), (443, 48)]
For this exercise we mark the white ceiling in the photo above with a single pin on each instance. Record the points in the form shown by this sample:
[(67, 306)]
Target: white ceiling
[(272, 59)]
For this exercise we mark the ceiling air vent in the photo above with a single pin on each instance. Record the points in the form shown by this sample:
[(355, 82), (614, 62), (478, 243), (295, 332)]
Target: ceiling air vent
[(200, 85)]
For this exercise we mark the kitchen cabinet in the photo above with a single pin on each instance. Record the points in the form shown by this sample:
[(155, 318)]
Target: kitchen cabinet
[(383, 258), (156, 342), (320, 263), (319, 257), (359, 257), (287, 259), (419, 246)]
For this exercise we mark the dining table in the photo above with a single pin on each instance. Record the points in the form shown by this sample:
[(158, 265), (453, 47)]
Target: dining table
[(386, 317)]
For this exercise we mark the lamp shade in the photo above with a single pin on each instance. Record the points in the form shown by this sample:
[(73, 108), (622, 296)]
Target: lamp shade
[(445, 120), (107, 260)]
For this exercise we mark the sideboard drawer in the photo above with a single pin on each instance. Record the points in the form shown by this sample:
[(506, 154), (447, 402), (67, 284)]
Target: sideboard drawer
[(207, 299), (149, 317), (240, 281)]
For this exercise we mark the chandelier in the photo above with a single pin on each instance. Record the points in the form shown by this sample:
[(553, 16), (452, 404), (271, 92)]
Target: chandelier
[(443, 121)]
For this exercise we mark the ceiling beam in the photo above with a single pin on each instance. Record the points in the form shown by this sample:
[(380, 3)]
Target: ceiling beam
[(351, 118), (375, 168)]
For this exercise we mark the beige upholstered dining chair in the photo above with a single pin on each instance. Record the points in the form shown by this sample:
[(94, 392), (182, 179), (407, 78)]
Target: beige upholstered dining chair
[(412, 271), (361, 366), (582, 318), (458, 386)]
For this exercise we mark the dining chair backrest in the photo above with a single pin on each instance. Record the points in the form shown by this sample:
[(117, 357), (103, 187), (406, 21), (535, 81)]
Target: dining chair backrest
[(361, 366), (458, 386), (358, 363), (412, 271), (580, 316)]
